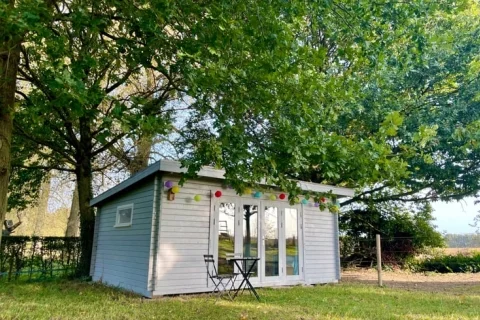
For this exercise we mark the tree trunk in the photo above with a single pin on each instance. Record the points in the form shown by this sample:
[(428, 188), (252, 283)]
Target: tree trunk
[(83, 172), (87, 216), (9, 59), (42, 206), (73, 225), (142, 154)]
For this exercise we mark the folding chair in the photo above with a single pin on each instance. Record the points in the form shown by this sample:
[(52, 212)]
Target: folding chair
[(223, 282)]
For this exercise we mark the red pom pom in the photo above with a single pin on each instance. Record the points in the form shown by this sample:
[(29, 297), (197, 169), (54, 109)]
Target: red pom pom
[(218, 194), (282, 196), (323, 200)]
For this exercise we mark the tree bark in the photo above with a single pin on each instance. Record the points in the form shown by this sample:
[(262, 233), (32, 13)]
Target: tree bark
[(9, 59), (42, 206), (83, 172), (73, 224), (142, 154)]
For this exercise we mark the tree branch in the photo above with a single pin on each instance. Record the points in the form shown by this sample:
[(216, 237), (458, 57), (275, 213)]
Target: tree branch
[(108, 145)]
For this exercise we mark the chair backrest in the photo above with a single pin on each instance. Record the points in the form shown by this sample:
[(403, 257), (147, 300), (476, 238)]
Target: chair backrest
[(209, 260)]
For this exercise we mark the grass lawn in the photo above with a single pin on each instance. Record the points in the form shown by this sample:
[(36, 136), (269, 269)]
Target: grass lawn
[(77, 300)]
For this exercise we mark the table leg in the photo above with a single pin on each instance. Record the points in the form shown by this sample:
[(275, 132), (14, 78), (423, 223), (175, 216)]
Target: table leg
[(248, 281), (243, 280), (246, 275)]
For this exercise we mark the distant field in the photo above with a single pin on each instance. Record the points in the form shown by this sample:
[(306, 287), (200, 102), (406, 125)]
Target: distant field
[(454, 251)]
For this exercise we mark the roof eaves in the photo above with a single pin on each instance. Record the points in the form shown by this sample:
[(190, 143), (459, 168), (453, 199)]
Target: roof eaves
[(125, 184)]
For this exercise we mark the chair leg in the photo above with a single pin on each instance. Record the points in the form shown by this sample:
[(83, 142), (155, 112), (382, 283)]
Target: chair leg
[(216, 290), (221, 288), (226, 290)]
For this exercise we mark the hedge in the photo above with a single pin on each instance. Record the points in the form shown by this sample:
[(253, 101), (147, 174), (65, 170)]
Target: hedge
[(38, 257)]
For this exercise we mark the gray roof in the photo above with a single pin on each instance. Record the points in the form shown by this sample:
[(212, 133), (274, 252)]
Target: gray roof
[(169, 166)]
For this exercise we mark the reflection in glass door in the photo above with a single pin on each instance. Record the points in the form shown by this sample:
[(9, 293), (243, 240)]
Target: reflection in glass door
[(226, 236), (291, 242), (250, 234), (271, 219)]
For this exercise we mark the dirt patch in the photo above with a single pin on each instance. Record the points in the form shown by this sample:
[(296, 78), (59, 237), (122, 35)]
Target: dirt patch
[(458, 283)]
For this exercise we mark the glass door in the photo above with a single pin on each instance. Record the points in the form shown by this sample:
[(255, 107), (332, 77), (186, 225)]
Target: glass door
[(250, 234), (225, 233), (293, 228), (271, 242), (265, 229)]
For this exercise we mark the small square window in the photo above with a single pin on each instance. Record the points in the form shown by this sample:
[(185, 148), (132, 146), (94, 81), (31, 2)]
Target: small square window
[(124, 216)]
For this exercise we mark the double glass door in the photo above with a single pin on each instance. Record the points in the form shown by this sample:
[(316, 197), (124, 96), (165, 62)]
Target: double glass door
[(264, 229)]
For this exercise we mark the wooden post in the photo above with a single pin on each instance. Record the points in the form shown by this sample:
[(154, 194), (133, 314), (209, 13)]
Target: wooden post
[(379, 260)]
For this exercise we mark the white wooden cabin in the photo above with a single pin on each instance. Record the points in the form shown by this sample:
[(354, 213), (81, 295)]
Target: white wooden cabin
[(154, 246)]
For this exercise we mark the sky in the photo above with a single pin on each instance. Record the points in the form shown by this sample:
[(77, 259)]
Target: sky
[(455, 217)]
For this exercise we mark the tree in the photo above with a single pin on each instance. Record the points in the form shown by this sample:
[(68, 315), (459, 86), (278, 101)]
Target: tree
[(267, 82), (75, 68), (9, 57), (435, 92), (16, 19), (405, 232), (302, 117), (73, 223)]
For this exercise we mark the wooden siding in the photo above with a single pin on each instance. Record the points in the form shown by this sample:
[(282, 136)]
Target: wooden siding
[(320, 246), (123, 254), (184, 238)]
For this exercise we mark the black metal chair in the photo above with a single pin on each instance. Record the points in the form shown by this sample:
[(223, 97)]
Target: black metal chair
[(223, 282)]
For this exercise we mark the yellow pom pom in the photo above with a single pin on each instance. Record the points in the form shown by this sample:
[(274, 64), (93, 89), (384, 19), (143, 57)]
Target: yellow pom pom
[(247, 191), (273, 197), (197, 197), (176, 189)]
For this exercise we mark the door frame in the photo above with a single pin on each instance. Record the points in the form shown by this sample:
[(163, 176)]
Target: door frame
[(215, 226), (264, 277), (238, 235), (300, 235)]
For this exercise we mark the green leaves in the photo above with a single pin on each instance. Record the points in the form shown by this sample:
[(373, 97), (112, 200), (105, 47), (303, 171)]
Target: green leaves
[(425, 135), (391, 124), (355, 93)]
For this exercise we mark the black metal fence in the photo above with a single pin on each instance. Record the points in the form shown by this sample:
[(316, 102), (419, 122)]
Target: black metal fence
[(38, 257)]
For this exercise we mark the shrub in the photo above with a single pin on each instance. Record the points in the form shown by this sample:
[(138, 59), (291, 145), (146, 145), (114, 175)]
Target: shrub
[(459, 263)]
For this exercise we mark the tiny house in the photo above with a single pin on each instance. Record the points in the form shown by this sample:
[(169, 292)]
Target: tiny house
[(151, 234)]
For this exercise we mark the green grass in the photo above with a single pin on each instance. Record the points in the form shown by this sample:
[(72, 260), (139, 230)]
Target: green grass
[(77, 300)]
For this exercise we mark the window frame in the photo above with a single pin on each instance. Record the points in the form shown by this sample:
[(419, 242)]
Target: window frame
[(117, 216)]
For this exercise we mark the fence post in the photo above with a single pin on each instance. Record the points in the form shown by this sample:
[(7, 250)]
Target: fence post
[(379, 260)]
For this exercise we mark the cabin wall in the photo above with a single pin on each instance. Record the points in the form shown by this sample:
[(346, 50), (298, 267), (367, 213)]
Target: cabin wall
[(122, 253), (320, 246), (184, 238)]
